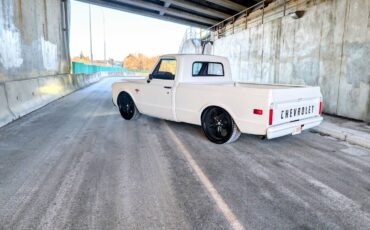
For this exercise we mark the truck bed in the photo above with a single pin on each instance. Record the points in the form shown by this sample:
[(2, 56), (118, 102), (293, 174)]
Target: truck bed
[(246, 85), (268, 86)]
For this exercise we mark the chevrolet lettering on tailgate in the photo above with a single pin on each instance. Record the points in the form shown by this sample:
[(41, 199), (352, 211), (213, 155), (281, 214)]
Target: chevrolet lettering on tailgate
[(289, 113)]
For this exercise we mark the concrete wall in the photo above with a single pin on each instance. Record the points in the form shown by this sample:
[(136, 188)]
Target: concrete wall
[(329, 46), (190, 46), (34, 62), (18, 98), (32, 42)]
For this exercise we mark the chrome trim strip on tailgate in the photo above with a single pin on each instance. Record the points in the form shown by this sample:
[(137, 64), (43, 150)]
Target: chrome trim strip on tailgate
[(288, 128)]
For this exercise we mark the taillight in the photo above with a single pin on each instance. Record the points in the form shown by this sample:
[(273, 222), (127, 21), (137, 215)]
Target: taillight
[(258, 111), (271, 116), (320, 107)]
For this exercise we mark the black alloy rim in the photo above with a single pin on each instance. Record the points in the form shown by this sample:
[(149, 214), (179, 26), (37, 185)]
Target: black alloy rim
[(126, 106), (218, 125)]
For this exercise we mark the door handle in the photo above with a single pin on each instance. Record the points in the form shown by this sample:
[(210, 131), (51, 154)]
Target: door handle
[(167, 87)]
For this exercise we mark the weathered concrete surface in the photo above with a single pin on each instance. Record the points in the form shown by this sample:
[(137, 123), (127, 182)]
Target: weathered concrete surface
[(329, 46), (190, 47), (76, 164), (5, 115), (32, 42), (354, 132), (21, 97), (354, 88), (34, 62)]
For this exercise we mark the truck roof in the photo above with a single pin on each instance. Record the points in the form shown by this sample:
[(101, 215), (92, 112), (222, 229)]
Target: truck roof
[(185, 64), (195, 56)]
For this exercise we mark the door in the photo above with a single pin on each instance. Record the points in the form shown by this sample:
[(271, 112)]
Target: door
[(157, 95)]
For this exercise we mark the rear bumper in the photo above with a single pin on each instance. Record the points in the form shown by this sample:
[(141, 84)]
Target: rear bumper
[(288, 128)]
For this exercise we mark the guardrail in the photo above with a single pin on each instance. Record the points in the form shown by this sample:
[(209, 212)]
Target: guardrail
[(20, 97), (244, 14)]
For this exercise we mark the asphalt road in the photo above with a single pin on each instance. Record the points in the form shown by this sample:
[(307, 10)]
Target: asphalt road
[(76, 164)]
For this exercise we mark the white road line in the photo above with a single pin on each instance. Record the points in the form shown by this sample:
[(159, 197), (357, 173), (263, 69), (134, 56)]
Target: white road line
[(226, 211)]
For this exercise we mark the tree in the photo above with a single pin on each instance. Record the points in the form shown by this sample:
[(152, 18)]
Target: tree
[(139, 62), (81, 59)]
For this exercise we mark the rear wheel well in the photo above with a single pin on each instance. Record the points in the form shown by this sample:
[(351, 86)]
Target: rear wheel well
[(205, 110), (120, 94), (210, 107), (218, 125)]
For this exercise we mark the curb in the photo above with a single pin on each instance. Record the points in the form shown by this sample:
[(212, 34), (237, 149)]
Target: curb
[(344, 136)]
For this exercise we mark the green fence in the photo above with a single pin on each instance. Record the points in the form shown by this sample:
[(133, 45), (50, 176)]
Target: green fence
[(78, 67)]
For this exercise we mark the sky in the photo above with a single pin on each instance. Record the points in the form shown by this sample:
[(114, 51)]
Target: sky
[(125, 33)]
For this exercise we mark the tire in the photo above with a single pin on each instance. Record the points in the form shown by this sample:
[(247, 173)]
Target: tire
[(218, 126), (127, 107)]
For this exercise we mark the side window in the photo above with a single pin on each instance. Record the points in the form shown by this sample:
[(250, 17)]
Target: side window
[(165, 70), (197, 66), (208, 69)]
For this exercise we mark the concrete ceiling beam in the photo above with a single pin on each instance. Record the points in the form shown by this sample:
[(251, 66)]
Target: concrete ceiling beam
[(169, 11), (118, 6), (198, 8), (228, 4), (166, 5)]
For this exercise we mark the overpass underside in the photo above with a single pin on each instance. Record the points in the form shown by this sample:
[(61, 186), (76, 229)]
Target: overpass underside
[(199, 13)]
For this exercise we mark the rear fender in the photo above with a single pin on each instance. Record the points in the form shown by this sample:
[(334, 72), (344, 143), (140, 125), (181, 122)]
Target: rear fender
[(226, 108)]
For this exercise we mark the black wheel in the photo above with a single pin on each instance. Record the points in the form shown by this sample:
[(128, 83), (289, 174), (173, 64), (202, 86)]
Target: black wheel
[(218, 126), (127, 106)]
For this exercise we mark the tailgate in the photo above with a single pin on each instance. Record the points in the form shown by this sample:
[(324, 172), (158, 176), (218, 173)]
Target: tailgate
[(295, 104)]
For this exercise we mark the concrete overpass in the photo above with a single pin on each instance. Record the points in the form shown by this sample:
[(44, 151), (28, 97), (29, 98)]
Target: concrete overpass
[(197, 13)]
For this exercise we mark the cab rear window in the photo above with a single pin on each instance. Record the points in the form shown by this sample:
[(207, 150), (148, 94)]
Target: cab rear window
[(208, 69)]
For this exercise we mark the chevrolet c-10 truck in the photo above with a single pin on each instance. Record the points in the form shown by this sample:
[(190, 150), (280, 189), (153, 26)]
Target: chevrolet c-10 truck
[(198, 89)]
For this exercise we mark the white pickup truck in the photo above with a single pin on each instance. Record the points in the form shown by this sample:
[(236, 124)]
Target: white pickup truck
[(198, 89)]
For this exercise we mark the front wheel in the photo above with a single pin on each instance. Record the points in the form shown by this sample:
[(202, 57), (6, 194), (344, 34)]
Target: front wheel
[(218, 126), (127, 107)]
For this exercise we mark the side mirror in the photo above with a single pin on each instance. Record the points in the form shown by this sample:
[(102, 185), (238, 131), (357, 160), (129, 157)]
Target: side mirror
[(149, 78)]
